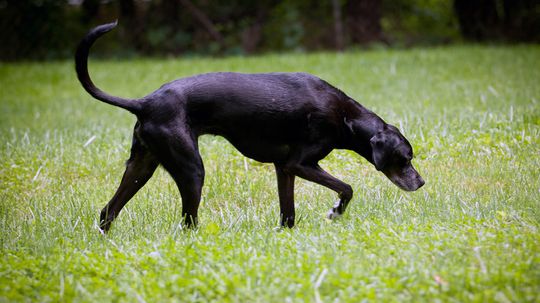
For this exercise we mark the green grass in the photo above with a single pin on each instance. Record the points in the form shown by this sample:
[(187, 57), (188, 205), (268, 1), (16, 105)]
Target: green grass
[(470, 234)]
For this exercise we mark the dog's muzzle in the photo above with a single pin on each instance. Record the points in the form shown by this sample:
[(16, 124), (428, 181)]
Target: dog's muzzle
[(407, 178)]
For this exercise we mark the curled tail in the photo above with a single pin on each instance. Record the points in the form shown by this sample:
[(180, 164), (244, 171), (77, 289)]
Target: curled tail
[(81, 66)]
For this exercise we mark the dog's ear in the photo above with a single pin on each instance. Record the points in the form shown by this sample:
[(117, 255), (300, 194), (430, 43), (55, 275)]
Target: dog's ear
[(379, 150), (349, 125)]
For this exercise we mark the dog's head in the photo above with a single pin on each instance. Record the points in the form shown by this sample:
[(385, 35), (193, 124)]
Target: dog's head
[(392, 155)]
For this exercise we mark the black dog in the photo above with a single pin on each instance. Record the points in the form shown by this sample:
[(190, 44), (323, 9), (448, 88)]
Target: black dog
[(290, 119)]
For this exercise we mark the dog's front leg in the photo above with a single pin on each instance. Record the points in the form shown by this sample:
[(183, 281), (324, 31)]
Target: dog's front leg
[(338, 209), (286, 197), (315, 173)]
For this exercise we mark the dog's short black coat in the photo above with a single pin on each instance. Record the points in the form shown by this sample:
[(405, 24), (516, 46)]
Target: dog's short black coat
[(292, 120)]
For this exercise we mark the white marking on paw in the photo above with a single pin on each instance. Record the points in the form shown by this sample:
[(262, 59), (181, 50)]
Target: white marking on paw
[(332, 215)]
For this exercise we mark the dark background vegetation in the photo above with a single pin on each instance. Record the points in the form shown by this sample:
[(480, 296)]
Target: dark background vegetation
[(50, 29)]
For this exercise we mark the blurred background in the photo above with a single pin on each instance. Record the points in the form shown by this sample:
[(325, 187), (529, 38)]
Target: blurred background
[(50, 29)]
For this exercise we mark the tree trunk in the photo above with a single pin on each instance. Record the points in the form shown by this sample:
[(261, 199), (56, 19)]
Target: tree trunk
[(522, 20), (128, 16), (478, 19), (363, 18), (338, 25), (205, 22), (170, 13), (90, 10)]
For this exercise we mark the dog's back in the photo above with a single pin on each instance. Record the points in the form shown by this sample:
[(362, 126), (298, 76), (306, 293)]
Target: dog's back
[(222, 98)]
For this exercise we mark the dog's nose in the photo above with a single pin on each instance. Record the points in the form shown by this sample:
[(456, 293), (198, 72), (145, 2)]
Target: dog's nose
[(421, 182)]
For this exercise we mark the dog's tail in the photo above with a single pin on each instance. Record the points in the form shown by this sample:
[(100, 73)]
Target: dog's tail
[(81, 66)]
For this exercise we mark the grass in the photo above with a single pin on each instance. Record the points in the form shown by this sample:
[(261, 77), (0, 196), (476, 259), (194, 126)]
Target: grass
[(470, 234)]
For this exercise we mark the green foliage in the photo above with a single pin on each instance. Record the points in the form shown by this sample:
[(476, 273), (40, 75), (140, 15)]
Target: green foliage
[(50, 29), (470, 234), (420, 22), (285, 30)]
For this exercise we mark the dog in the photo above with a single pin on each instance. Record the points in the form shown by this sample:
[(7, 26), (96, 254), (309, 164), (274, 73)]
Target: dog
[(292, 120)]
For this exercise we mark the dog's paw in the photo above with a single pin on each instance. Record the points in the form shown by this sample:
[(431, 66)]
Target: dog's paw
[(102, 231), (333, 214)]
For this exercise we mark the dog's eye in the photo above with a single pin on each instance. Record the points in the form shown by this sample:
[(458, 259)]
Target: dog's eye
[(403, 162), (409, 156)]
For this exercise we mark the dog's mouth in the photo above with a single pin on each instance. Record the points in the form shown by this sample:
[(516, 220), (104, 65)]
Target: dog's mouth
[(407, 178)]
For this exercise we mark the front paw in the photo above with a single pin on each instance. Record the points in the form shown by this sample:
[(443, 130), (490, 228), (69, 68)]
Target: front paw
[(104, 226), (333, 214)]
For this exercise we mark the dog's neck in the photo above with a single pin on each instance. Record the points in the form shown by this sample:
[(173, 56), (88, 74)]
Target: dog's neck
[(361, 129), (363, 123)]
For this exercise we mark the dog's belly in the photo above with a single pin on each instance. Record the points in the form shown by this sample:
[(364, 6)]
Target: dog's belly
[(261, 150), (257, 137), (272, 140)]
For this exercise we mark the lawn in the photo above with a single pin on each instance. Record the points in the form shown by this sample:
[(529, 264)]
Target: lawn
[(472, 114)]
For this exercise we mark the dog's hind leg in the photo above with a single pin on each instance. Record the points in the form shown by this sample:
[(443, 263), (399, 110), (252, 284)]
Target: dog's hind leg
[(179, 155), (139, 168), (286, 196), (188, 173)]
